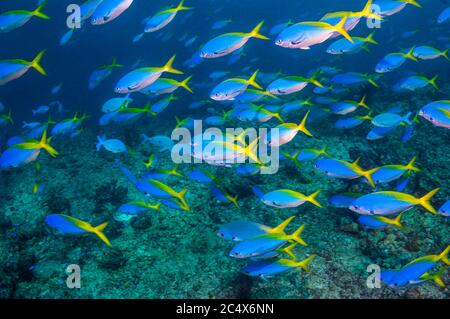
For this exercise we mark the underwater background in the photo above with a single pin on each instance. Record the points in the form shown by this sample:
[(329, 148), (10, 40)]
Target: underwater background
[(173, 253)]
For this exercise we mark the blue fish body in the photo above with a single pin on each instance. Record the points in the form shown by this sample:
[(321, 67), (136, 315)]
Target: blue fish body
[(336, 168), (445, 209), (256, 246), (241, 230), (343, 200), (15, 157), (264, 268), (63, 225)]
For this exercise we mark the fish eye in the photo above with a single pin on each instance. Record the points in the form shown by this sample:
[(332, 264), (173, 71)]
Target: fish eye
[(234, 238)]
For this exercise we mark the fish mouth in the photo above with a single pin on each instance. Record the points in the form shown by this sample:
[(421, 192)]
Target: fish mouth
[(121, 90), (280, 43)]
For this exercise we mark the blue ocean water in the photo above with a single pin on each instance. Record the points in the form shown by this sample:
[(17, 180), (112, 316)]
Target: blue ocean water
[(175, 252)]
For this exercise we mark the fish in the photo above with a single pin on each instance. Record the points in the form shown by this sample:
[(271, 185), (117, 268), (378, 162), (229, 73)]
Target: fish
[(163, 143), (344, 46), (69, 225), (377, 132), (101, 73), (136, 208), (166, 86), (166, 190), (227, 43), (286, 198), (415, 82), (26, 152), (345, 170), (68, 126), (389, 173), (88, 7), (109, 10), (266, 243), (220, 24), (287, 132), (245, 230), (342, 200), (354, 78), (347, 123), (386, 8), (65, 38), (416, 271), (13, 69), (276, 29), (444, 16), (231, 88), (369, 221), (393, 61), (346, 107), (437, 112), (11, 20), (202, 176), (163, 18), (306, 154), (222, 196), (112, 145), (444, 210), (390, 202), (426, 52), (139, 79), (269, 268), (305, 34), (390, 119), (117, 103), (41, 110), (292, 84)]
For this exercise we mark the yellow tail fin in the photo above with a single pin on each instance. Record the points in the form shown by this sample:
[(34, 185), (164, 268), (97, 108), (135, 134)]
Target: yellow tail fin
[(302, 128), (99, 232), (181, 7), (411, 167), (181, 196), (397, 221), (368, 176), (370, 39), (296, 236), (445, 54), (184, 84), (289, 250), (297, 264), (312, 199), (410, 54), (44, 143), (255, 32), (313, 79), (280, 228), (168, 66), (363, 102), (435, 277), (35, 63), (114, 64), (367, 12), (38, 12), (433, 82), (425, 201), (444, 255), (252, 80), (340, 28)]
